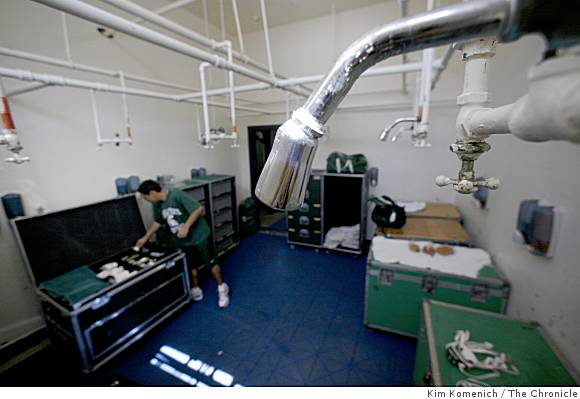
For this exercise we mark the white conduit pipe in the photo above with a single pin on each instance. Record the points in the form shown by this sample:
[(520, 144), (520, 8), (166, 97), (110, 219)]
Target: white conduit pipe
[(126, 108), (26, 89), (404, 4), (207, 135), (376, 71), (99, 16), (267, 36), (165, 23), (205, 18), (426, 75), (66, 38), (198, 124), (81, 84), (222, 20), (96, 118), (169, 7), (238, 26), (426, 88), (206, 131), (444, 62), (86, 68), (234, 128), (173, 6)]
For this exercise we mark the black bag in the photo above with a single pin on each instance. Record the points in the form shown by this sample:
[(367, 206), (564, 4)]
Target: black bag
[(387, 213), (338, 162)]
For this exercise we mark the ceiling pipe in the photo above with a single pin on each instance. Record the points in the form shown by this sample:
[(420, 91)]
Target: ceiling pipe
[(66, 38), (164, 10), (54, 80), (444, 62), (238, 26), (26, 89), (87, 68), (376, 71), (282, 184), (422, 126), (208, 137), (267, 37), (126, 116), (170, 7), (101, 17), (206, 143), (232, 95), (84, 11), (404, 4), (222, 21)]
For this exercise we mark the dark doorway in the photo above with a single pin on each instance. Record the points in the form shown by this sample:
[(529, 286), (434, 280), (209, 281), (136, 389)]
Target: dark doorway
[(260, 141)]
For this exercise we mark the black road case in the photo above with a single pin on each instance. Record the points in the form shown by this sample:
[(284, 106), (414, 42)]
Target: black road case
[(97, 327)]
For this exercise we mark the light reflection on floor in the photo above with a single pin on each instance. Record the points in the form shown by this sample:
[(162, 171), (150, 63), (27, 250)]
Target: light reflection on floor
[(168, 355)]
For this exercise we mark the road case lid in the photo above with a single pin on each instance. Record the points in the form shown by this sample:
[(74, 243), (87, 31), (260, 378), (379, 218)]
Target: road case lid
[(57, 242), (531, 349)]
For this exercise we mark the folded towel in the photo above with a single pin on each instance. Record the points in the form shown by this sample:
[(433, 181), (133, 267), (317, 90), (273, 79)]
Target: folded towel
[(74, 286)]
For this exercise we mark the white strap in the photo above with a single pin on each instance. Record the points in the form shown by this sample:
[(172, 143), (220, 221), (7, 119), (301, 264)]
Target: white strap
[(348, 165)]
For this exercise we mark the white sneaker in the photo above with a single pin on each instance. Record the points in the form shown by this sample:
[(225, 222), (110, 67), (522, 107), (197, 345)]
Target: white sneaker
[(223, 295), (197, 294)]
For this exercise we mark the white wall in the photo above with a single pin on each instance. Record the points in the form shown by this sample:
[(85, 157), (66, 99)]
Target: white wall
[(542, 290), (56, 129)]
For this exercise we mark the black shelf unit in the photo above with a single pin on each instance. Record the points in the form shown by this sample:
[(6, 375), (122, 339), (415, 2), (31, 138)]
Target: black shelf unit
[(218, 194), (332, 200)]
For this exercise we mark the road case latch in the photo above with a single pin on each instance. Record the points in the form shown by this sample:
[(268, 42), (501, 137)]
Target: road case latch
[(169, 264), (479, 293), (100, 302), (429, 284), (386, 276)]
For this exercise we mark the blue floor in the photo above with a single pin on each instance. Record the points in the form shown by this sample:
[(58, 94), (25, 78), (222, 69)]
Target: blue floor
[(295, 319), (280, 225)]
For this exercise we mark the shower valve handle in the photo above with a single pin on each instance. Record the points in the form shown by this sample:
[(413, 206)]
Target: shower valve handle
[(466, 186)]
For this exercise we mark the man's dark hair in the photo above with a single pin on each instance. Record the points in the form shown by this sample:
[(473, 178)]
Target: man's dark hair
[(149, 185)]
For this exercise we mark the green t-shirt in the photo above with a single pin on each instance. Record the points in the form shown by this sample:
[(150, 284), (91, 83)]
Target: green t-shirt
[(174, 212)]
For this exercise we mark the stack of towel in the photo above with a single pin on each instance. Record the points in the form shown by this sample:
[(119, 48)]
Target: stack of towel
[(345, 236)]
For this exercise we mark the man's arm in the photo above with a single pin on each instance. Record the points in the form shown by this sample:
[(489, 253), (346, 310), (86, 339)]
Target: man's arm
[(193, 216), (154, 227)]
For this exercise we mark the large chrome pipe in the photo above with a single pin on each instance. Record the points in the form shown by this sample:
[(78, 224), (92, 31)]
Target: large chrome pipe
[(282, 184), (462, 21)]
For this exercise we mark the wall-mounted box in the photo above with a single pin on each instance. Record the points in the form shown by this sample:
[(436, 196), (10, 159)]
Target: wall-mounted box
[(537, 227)]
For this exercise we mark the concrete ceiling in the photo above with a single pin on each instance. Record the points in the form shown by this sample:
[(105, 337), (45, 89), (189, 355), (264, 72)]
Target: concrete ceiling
[(279, 12)]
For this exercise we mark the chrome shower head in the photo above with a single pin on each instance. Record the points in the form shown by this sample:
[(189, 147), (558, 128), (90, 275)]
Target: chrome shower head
[(282, 184)]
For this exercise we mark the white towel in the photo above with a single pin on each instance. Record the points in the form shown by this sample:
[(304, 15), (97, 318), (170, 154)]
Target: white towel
[(346, 236), (464, 261)]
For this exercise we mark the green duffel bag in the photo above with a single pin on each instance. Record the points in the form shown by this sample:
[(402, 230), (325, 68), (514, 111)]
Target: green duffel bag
[(339, 162)]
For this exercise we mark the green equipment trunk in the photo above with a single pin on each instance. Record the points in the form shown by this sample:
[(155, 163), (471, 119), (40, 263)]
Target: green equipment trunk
[(394, 293), (529, 347)]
